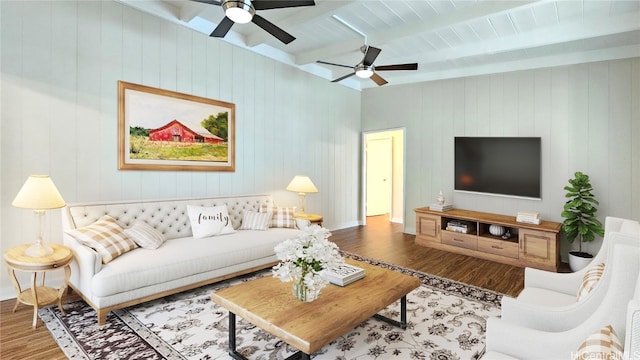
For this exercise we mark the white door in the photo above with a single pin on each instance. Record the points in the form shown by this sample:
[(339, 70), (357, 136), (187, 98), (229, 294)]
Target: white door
[(379, 170)]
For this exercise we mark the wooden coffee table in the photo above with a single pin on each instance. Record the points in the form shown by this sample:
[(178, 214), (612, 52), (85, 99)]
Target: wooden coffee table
[(269, 304)]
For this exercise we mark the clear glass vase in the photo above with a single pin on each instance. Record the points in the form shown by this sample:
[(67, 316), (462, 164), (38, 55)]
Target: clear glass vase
[(302, 292)]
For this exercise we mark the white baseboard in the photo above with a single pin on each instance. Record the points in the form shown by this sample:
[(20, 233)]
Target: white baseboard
[(410, 230), (397, 220), (7, 292), (345, 225)]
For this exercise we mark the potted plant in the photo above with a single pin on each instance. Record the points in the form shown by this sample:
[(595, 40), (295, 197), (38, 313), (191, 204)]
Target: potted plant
[(580, 218)]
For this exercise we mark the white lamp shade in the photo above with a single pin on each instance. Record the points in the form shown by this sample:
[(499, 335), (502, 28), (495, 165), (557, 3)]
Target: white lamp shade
[(302, 184), (38, 193)]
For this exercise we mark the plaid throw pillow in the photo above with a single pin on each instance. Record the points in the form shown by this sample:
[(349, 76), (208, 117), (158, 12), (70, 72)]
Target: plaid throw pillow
[(106, 237), (590, 280), (603, 344), (282, 216)]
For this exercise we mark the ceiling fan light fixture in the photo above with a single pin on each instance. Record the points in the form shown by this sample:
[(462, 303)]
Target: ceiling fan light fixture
[(364, 72), (239, 11)]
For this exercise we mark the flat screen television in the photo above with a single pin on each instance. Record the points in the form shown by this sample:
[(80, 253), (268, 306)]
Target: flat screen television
[(509, 166)]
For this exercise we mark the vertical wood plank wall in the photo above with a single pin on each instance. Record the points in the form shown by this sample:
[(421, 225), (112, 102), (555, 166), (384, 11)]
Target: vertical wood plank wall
[(58, 108), (587, 115), (61, 61)]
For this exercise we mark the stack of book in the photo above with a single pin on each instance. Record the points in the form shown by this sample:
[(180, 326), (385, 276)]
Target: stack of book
[(438, 207), (528, 217), (343, 275), (460, 226)]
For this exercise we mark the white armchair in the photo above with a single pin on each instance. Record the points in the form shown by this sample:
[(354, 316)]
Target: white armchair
[(569, 283), (509, 340), (632, 340), (548, 301)]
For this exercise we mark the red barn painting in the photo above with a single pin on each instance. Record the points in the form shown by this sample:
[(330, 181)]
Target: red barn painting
[(177, 132)]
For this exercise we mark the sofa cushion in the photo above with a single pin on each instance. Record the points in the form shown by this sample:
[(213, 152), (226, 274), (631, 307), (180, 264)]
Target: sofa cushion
[(209, 221), (178, 258), (283, 217), (590, 280), (145, 235), (106, 237), (252, 220)]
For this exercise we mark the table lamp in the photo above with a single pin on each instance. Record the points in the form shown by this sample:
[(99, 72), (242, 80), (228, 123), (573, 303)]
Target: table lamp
[(39, 194), (302, 185)]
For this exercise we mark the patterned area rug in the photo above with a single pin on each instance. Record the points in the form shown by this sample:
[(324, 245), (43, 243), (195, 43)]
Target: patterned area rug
[(446, 321)]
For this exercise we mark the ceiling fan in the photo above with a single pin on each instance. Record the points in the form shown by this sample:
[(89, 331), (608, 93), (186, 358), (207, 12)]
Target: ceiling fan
[(244, 11), (366, 69)]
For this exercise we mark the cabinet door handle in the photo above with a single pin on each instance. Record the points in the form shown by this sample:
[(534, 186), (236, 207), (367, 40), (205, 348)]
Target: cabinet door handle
[(496, 247), (458, 240)]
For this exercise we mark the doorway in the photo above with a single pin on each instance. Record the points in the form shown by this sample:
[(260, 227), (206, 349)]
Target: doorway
[(379, 176), (383, 179)]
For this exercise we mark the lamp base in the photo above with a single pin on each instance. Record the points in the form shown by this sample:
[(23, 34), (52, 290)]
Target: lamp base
[(38, 250), (301, 197)]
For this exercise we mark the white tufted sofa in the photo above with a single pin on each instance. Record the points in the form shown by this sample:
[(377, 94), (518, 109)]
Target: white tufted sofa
[(181, 263)]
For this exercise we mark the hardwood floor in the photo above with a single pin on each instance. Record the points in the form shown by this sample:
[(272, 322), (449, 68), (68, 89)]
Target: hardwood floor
[(385, 241), (380, 239)]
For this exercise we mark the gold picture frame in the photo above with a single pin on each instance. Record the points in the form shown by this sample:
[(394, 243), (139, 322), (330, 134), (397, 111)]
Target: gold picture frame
[(171, 131)]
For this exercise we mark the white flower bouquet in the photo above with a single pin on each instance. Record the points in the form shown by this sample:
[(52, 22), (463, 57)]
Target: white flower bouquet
[(303, 258)]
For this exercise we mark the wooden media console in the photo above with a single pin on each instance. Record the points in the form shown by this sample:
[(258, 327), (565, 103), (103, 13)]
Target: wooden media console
[(530, 245)]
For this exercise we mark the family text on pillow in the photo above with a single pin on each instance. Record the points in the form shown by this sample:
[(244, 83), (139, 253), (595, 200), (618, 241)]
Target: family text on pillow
[(209, 221)]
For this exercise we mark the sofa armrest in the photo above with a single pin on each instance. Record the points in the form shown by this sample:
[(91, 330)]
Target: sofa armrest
[(615, 224), (632, 340), (566, 283), (86, 263), (523, 343), (549, 318)]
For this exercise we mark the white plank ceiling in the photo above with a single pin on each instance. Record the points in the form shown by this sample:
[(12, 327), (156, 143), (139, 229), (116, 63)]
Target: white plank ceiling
[(447, 38)]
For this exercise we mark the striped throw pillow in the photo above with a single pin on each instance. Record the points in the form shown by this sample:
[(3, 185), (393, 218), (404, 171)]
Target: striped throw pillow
[(145, 235), (106, 237), (283, 217), (252, 220), (603, 344), (590, 280)]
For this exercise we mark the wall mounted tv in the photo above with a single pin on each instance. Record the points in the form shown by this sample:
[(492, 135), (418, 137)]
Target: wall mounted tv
[(509, 166)]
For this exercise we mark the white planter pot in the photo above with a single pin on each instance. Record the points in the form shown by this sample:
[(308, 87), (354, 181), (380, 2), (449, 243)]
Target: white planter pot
[(577, 262)]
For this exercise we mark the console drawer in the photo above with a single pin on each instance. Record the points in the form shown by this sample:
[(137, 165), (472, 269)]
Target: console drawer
[(466, 241), (498, 247)]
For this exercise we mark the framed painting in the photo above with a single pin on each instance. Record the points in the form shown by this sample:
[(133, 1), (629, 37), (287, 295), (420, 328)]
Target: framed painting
[(166, 130)]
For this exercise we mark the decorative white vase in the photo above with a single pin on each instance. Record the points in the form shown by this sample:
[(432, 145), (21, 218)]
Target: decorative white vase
[(577, 262), (441, 198), (496, 230)]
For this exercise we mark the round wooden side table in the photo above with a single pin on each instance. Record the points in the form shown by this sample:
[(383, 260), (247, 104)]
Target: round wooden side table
[(39, 295), (313, 219)]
